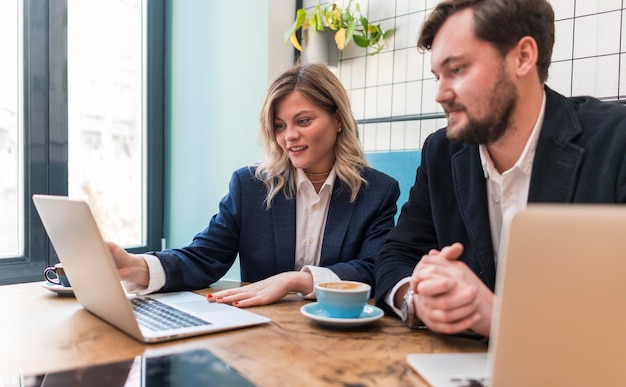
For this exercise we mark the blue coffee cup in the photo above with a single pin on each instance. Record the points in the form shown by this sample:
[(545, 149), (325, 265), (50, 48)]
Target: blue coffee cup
[(342, 299)]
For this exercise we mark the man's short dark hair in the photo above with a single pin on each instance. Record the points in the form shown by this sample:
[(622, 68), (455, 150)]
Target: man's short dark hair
[(500, 22)]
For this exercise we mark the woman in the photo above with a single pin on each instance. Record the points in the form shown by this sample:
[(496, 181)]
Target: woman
[(312, 211)]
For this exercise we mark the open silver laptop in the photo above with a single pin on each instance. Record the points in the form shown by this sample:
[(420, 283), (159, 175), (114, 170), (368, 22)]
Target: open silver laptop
[(97, 285), (560, 313)]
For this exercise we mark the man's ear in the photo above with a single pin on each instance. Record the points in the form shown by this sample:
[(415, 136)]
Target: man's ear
[(526, 56)]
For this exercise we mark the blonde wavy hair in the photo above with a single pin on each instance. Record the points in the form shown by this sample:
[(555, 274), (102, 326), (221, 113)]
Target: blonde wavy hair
[(324, 89)]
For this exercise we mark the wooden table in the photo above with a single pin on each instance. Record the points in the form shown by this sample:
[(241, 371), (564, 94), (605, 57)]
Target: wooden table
[(43, 332)]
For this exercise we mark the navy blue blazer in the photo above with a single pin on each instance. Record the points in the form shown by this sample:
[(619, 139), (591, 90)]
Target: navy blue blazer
[(265, 239), (580, 157)]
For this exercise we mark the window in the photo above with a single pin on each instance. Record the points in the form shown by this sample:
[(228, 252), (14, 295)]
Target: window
[(12, 175), (105, 126), (86, 96)]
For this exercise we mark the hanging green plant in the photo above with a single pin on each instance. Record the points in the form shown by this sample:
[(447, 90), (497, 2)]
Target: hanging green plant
[(349, 25)]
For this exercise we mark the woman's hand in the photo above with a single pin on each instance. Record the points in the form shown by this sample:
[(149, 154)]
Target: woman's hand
[(132, 267), (265, 291)]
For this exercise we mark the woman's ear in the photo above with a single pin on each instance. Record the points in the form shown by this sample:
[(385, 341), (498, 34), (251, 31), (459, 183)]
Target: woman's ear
[(338, 124)]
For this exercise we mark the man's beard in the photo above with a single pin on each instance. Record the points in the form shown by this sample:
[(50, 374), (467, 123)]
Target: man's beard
[(492, 127)]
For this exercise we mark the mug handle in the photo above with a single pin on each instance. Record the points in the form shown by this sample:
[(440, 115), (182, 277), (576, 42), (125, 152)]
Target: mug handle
[(55, 280)]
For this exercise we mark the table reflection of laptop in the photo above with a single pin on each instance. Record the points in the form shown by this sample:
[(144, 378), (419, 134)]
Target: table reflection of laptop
[(191, 368), (97, 285), (560, 313)]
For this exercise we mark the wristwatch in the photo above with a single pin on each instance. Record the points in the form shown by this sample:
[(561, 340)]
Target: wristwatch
[(408, 312)]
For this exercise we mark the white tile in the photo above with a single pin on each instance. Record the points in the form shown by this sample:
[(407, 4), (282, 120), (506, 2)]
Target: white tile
[(597, 35), (383, 101), (596, 76), (361, 137), (399, 99), (429, 105), (426, 66), (385, 68), (371, 71), (412, 138), (358, 73), (396, 142), (563, 9), (413, 28), (417, 5), (402, 6), (371, 99), (381, 10), (622, 81), (560, 77), (370, 9), (415, 65), (345, 73), (383, 136), (431, 3), (352, 51), (587, 7), (430, 126), (357, 99), (369, 137), (401, 34), (413, 97), (563, 48), (623, 39), (309, 3), (400, 62), (440, 123)]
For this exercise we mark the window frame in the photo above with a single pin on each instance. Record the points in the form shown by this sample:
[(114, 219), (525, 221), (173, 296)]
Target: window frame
[(45, 122)]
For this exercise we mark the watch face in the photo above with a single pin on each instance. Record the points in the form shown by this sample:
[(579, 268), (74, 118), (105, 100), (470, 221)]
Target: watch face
[(405, 309)]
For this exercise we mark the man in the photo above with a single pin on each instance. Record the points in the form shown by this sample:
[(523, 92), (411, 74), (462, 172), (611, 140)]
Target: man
[(510, 140)]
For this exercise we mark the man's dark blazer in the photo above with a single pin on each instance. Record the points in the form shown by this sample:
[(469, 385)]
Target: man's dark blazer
[(266, 239), (580, 157)]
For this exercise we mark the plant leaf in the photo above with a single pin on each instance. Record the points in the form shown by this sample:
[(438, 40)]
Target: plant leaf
[(300, 17), (364, 23), (330, 23), (340, 38), (378, 49), (361, 41), (334, 17), (350, 30), (295, 42), (315, 19)]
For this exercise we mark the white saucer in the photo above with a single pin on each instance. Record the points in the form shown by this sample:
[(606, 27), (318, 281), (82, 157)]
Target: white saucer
[(314, 312), (58, 289)]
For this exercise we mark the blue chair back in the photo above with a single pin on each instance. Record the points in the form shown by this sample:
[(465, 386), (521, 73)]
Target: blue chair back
[(401, 165)]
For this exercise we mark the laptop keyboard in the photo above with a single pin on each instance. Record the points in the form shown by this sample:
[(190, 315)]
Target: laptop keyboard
[(158, 316)]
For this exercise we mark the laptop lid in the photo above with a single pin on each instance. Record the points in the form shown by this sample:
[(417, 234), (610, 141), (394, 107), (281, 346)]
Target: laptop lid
[(96, 282), (560, 313), (560, 309)]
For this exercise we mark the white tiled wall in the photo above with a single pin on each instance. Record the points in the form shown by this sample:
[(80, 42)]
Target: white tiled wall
[(396, 89)]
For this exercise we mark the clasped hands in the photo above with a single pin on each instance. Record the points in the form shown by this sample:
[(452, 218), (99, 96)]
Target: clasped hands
[(449, 296)]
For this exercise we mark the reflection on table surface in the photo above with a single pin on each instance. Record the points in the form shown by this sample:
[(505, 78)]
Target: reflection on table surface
[(46, 333)]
